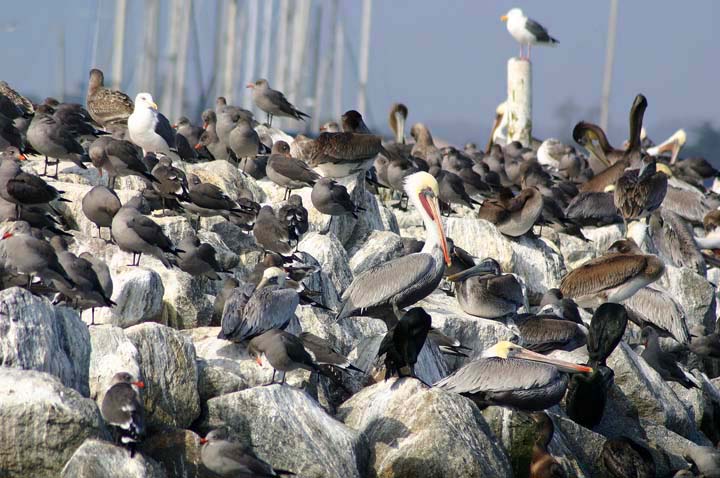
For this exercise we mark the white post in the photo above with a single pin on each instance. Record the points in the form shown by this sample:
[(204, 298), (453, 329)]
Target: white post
[(182, 58), (519, 102), (338, 64), (281, 49), (166, 102), (118, 43), (322, 75), (231, 17), (609, 56), (297, 60), (364, 58), (149, 65), (266, 39), (254, 17), (61, 62)]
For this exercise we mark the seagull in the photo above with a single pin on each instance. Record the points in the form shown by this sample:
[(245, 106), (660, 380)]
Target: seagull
[(273, 102), (526, 31), (149, 129)]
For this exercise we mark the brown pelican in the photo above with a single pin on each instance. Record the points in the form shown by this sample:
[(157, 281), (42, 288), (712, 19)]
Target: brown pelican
[(615, 161), (542, 463), (673, 239), (336, 155), (497, 135), (593, 209), (545, 333), (483, 291), (424, 147), (653, 306), (687, 202), (508, 375), (526, 31), (513, 216), (381, 290), (612, 277), (638, 193)]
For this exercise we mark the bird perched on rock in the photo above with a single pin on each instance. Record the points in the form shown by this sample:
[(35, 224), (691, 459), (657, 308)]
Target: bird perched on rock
[(664, 363), (402, 344), (542, 463), (324, 354), (198, 259), (54, 140), (288, 172), (107, 107), (271, 233), (118, 157), (149, 129), (232, 460), (484, 291), (249, 313), (137, 233), (283, 351), (294, 217), (100, 205), (122, 408), (639, 193), (273, 102), (333, 199), (526, 31)]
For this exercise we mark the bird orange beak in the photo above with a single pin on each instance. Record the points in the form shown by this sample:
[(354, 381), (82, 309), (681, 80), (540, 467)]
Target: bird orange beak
[(139, 384), (504, 18), (174, 126), (560, 364), (250, 85), (430, 204), (203, 441), (258, 360), (21, 157), (205, 125), (198, 146), (6, 235)]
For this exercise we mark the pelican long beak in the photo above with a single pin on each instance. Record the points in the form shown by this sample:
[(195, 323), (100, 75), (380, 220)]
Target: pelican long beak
[(596, 150), (430, 204), (504, 18), (560, 364), (484, 267)]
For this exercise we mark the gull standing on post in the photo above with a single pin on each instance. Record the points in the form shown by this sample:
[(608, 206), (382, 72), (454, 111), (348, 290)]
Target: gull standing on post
[(526, 31)]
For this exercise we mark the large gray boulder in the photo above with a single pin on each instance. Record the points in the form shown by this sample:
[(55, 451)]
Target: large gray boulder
[(290, 431), (111, 352), (138, 293), (227, 177), (178, 451), (694, 293), (43, 423), (471, 331), (653, 398), (378, 247), (39, 336), (414, 430), (97, 458), (335, 275), (167, 364), (534, 259)]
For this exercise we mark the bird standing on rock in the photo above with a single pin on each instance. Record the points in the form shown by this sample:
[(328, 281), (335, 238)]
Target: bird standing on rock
[(149, 129), (232, 460), (283, 351), (288, 172), (273, 102), (122, 408)]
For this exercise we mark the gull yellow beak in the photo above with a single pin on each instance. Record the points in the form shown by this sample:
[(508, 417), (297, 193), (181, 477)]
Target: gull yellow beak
[(153, 105), (504, 18)]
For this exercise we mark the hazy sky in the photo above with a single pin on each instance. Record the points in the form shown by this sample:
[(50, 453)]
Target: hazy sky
[(445, 60)]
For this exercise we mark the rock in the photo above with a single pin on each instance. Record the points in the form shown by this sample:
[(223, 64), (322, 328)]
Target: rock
[(473, 332), (694, 293), (671, 448), (111, 352), (533, 259), (647, 391), (378, 247), (414, 430), (35, 335), (335, 276), (228, 178), (138, 293), (43, 423), (290, 431), (167, 364), (178, 451), (574, 250), (185, 302), (97, 458), (603, 237)]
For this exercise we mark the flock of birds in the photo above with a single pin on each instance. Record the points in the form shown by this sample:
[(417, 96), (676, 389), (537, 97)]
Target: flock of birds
[(514, 187)]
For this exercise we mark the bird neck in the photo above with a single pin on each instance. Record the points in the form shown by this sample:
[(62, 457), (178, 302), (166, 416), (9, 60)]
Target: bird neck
[(636, 120)]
